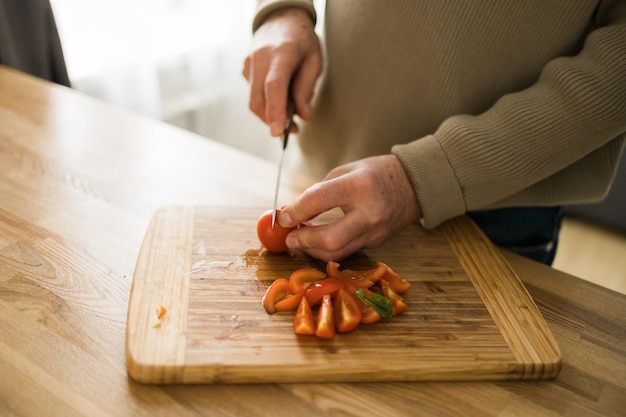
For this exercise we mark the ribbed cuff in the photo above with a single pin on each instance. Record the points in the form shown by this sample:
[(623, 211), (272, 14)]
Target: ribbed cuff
[(267, 7), (433, 180)]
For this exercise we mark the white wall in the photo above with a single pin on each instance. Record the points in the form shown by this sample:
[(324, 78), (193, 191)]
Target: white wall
[(176, 60)]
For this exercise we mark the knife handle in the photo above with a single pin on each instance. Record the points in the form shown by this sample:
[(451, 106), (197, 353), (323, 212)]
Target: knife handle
[(289, 123)]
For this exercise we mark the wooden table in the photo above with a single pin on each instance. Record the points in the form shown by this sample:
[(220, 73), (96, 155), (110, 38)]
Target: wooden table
[(79, 181)]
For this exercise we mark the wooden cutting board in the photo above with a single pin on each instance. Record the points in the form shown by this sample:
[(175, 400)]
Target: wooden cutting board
[(469, 316)]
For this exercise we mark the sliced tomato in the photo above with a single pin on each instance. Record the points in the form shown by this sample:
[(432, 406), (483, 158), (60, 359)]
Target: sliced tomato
[(290, 302), (317, 290), (325, 325), (303, 277), (395, 281), (361, 278), (347, 311), (368, 314), (277, 291), (397, 302), (303, 322)]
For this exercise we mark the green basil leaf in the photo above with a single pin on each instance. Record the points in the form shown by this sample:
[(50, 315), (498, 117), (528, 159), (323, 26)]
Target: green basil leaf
[(378, 302)]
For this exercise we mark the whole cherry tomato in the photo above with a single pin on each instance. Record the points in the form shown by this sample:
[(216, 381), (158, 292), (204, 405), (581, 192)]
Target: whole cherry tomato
[(273, 240)]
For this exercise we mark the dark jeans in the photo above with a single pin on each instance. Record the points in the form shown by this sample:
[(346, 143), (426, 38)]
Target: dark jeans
[(532, 232)]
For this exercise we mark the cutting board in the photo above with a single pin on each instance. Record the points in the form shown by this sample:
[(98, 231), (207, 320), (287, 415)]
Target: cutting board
[(469, 316)]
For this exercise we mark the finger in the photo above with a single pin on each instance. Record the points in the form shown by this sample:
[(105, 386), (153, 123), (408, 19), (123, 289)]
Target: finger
[(304, 84), (340, 171), (276, 89), (257, 72), (328, 242), (315, 200), (245, 71)]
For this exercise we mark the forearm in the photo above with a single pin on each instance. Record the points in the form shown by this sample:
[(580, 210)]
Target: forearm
[(530, 147)]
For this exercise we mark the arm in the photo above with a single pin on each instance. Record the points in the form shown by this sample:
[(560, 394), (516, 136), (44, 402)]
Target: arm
[(555, 142), (286, 56)]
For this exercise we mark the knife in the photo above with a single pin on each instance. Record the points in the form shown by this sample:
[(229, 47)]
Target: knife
[(288, 125)]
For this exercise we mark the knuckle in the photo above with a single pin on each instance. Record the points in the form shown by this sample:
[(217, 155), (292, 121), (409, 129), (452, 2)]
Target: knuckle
[(256, 104), (331, 243), (272, 83)]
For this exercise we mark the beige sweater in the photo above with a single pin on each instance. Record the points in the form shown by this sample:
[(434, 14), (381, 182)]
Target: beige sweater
[(486, 103)]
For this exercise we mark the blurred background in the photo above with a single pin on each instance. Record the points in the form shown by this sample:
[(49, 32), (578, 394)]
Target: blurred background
[(178, 61)]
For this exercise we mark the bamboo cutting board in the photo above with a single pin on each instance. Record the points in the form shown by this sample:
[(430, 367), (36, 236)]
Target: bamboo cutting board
[(469, 316)]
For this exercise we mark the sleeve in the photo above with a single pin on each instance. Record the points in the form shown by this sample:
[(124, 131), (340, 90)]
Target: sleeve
[(266, 7), (557, 142)]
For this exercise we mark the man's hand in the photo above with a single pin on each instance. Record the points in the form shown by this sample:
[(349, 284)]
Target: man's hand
[(376, 197), (286, 51)]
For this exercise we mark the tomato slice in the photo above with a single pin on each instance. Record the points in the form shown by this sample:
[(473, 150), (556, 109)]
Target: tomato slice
[(347, 311), (395, 281), (317, 290), (290, 302), (397, 302), (303, 322), (278, 290), (325, 325), (368, 314), (303, 277), (361, 278)]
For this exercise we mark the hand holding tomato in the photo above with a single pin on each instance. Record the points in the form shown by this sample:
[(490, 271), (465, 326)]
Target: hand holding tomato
[(273, 240), (376, 197)]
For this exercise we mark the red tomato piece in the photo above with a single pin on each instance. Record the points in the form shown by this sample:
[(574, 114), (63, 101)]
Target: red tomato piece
[(303, 322), (301, 278), (347, 311), (273, 240), (361, 278), (368, 314), (325, 325), (317, 290), (397, 302), (278, 290), (290, 302), (395, 281)]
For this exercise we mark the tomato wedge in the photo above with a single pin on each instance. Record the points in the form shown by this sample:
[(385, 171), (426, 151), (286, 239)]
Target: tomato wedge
[(317, 290), (397, 302), (361, 278), (278, 290), (303, 277), (290, 302), (369, 314), (395, 281), (347, 311), (325, 325), (303, 322)]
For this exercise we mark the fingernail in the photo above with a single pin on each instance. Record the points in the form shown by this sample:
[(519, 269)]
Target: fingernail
[(306, 111), (275, 129), (292, 242), (284, 219)]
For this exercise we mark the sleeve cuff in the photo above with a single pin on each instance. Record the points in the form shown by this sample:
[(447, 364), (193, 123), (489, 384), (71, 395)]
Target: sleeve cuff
[(435, 183), (267, 7)]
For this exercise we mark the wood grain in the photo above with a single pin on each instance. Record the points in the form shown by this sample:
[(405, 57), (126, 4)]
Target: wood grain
[(468, 320)]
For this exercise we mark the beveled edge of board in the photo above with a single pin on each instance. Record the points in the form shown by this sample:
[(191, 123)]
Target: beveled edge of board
[(514, 311), (165, 364)]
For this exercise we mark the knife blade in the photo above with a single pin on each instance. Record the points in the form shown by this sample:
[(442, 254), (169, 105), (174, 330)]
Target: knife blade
[(288, 125)]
